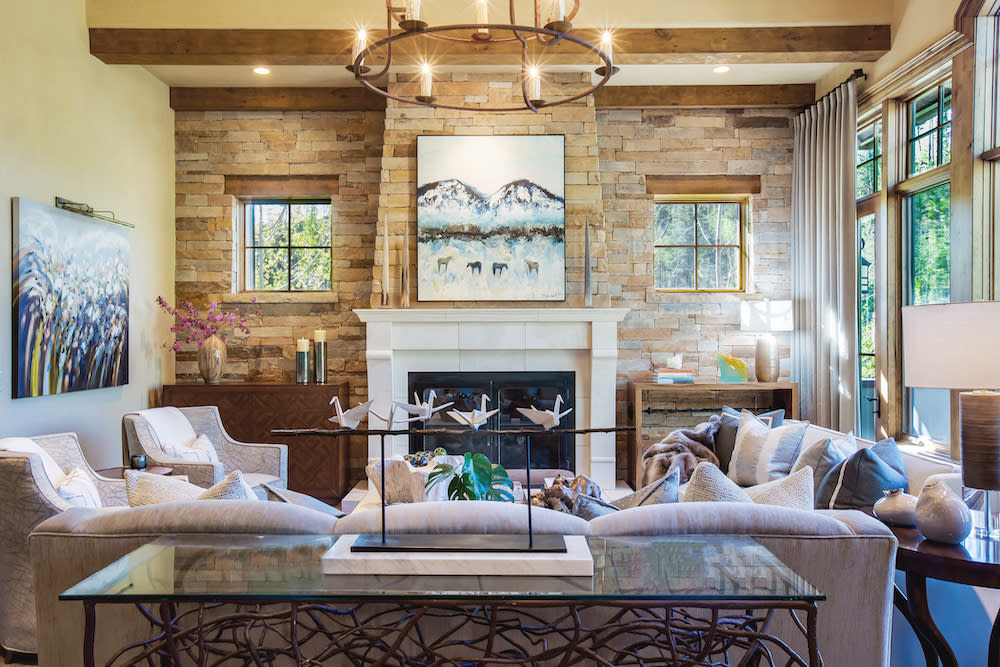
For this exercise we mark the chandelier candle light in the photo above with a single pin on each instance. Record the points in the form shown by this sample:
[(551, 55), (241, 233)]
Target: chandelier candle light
[(532, 40)]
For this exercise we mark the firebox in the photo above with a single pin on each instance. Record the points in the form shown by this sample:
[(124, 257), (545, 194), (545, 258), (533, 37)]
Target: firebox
[(506, 391)]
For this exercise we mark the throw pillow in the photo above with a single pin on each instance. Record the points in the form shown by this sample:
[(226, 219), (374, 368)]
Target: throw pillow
[(200, 449), (794, 491), (146, 489), (588, 507), (709, 484), (763, 453), (861, 479), (78, 489), (824, 456), (171, 428), (729, 423), (663, 490), (29, 446)]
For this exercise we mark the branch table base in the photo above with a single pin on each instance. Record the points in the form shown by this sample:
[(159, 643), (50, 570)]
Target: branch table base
[(252, 600)]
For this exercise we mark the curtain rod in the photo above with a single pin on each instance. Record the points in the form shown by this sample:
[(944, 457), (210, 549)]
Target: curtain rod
[(856, 74), (85, 209)]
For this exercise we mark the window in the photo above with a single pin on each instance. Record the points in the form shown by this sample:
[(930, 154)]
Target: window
[(699, 246), (929, 135), (928, 280), (869, 160), (866, 326), (286, 245)]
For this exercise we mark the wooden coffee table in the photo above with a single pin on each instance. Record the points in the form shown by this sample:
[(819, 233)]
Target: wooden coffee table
[(119, 471), (975, 562)]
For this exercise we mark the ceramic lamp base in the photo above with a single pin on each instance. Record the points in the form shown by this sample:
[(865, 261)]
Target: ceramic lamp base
[(766, 365)]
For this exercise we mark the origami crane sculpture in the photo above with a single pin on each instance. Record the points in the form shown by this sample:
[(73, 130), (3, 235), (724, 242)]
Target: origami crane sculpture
[(352, 417), (476, 418), (547, 419), (422, 411)]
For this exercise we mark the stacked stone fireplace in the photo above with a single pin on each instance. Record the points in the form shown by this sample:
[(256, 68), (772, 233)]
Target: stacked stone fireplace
[(583, 341)]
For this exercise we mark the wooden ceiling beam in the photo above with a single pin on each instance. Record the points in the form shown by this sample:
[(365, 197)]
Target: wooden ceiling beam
[(705, 97), (275, 99), (633, 46)]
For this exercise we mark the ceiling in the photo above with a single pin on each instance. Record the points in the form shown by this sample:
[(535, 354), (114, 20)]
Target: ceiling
[(652, 53)]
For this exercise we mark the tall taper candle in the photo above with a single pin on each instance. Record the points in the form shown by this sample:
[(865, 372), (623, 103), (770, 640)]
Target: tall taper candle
[(588, 297), (404, 273)]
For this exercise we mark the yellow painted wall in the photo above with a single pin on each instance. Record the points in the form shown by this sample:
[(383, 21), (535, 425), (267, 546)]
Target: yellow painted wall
[(74, 127), (916, 25), (347, 13)]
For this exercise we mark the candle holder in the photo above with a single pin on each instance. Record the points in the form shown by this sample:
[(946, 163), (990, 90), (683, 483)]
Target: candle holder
[(319, 361), (302, 361)]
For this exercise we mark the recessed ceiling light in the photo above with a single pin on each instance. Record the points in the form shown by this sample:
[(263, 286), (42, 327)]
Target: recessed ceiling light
[(261, 70), (721, 69)]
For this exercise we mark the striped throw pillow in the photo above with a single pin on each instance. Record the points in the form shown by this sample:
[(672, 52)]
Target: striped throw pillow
[(763, 453)]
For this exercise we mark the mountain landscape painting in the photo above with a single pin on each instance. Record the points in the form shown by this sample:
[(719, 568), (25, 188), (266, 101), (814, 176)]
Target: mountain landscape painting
[(491, 218)]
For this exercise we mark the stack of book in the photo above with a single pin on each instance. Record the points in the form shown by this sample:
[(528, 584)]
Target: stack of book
[(673, 376)]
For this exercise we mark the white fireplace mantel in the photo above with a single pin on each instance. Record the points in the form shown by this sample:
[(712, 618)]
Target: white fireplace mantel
[(582, 340)]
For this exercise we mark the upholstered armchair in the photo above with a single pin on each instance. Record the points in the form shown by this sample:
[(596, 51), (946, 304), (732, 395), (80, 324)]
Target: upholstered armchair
[(30, 497), (258, 462)]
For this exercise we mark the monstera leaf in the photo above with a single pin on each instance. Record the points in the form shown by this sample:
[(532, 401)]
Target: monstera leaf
[(475, 479)]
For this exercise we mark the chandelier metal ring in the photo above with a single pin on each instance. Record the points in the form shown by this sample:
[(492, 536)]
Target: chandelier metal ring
[(360, 70)]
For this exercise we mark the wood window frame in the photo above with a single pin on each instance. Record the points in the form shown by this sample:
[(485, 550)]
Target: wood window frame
[(243, 278), (742, 248)]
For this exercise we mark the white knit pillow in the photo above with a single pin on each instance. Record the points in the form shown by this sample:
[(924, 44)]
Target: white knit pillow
[(708, 484), (761, 453), (794, 491), (147, 489), (200, 449), (78, 489)]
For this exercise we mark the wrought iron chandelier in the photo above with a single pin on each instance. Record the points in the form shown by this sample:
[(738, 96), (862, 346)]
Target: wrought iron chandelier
[(480, 36)]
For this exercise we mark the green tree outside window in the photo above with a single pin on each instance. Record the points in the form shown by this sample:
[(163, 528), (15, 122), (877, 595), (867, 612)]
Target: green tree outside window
[(287, 246)]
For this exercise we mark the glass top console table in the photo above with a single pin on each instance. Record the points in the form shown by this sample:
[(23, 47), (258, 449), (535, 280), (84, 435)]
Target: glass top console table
[(692, 600)]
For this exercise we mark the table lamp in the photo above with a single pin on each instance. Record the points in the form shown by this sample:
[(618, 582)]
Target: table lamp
[(765, 317), (950, 346)]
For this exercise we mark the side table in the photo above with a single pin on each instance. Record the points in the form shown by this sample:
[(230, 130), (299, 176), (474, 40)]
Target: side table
[(118, 472), (974, 562)]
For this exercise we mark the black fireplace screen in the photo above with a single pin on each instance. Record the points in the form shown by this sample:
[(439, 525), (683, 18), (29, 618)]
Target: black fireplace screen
[(506, 391)]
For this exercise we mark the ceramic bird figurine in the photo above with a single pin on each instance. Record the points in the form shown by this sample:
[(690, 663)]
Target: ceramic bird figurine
[(352, 417), (476, 418), (422, 411), (547, 419)]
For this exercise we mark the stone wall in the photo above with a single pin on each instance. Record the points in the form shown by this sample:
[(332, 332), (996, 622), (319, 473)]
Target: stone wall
[(634, 144), (608, 156)]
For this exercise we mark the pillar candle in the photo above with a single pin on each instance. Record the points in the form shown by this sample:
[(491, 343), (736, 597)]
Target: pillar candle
[(608, 47), (425, 81), (360, 44), (302, 345), (319, 335)]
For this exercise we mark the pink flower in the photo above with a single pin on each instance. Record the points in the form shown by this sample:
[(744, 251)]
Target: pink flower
[(191, 327)]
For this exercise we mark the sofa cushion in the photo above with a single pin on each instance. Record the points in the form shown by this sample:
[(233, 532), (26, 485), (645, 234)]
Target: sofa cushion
[(709, 484), (729, 423), (763, 453), (483, 517), (171, 428), (861, 479), (663, 490), (824, 456), (146, 489), (29, 446), (796, 491), (78, 489)]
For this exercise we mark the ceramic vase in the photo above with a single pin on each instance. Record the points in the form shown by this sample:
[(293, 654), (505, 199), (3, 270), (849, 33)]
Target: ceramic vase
[(942, 515), (212, 359), (897, 508)]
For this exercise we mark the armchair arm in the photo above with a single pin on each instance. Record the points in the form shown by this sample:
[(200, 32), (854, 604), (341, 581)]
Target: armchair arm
[(248, 457), (199, 473), (112, 491)]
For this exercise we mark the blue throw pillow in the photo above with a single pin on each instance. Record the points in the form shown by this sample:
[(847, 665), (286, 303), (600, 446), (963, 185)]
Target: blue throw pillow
[(725, 439), (862, 478)]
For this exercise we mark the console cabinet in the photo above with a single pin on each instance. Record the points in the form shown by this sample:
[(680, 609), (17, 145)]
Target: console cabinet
[(317, 466), (701, 397)]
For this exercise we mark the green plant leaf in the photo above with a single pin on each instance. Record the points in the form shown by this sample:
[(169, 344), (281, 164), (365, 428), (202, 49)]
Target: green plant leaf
[(439, 474)]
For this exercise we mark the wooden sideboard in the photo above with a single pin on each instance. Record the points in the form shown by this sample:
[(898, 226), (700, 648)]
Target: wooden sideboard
[(316, 466), (704, 396)]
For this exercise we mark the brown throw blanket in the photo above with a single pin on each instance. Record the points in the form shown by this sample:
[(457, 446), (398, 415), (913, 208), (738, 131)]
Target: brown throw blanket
[(683, 449)]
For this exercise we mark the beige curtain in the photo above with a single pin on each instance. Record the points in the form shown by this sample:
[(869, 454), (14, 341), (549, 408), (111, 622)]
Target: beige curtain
[(824, 259)]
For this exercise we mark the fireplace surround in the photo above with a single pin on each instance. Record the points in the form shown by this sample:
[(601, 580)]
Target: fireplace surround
[(579, 340)]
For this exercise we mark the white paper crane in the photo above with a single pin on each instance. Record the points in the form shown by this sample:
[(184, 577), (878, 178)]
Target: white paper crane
[(352, 417), (422, 411), (476, 418), (390, 420), (547, 419)]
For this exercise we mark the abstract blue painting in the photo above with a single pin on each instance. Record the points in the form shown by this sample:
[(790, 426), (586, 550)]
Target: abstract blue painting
[(491, 218), (71, 299)]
